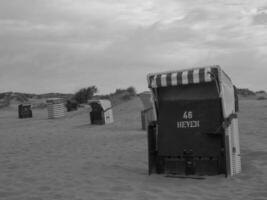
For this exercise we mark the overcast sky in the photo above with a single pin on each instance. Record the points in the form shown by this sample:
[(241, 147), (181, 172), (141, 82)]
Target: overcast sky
[(63, 45)]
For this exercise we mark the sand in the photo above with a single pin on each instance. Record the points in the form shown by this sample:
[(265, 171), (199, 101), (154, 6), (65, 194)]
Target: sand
[(70, 159)]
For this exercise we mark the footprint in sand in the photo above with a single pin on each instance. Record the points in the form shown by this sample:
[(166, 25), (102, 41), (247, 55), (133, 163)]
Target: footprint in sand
[(122, 188), (44, 188), (28, 180), (5, 194), (13, 166), (34, 198)]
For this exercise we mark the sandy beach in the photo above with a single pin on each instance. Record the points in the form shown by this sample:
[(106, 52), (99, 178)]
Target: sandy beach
[(70, 159)]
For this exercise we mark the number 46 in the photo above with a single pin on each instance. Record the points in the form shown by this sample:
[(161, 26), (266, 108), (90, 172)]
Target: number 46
[(188, 115)]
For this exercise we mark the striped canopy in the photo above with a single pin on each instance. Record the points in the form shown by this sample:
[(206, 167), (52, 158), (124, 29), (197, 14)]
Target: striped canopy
[(184, 77)]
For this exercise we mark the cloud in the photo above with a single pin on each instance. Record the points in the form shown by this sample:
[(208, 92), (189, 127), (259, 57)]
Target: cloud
[(63, 45), (260, 17)]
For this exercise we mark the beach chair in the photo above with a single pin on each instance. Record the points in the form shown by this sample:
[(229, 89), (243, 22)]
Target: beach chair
[(196, 127), (71, 105), (24, 111), (147, 113), (101, 112), (55, 108)]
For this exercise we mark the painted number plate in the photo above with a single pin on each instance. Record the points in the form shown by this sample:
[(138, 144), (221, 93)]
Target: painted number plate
[(188, 121)]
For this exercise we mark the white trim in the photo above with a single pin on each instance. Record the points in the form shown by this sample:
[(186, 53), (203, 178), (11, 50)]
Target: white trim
[(185, 77), (207, 74), (174, 79), (154, 82), (196, 76), (163, 80)]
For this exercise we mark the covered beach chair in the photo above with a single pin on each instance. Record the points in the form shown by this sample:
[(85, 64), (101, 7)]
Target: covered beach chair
[(71, 105), (196, 128), (25, 110), (55, 108), (101, 111), (147, 114)]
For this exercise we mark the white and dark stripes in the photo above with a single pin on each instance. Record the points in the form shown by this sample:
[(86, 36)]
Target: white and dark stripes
[(55, 108), (193, 76)]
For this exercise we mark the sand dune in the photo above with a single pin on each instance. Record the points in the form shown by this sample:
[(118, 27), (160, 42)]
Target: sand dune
[(69, 159)]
